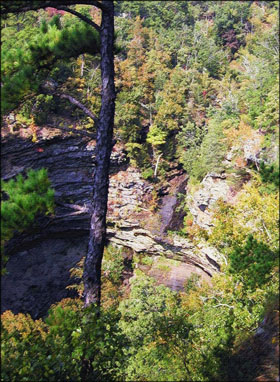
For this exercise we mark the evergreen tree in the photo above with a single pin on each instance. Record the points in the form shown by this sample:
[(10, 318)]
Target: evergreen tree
[(253, 262), (105, 122)]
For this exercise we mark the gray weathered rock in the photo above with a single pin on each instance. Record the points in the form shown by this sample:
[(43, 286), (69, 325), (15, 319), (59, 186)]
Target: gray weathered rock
[(213, 187), (40, 259)]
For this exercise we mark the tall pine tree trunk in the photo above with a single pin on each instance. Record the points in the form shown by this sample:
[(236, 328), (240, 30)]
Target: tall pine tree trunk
[(92, 266)]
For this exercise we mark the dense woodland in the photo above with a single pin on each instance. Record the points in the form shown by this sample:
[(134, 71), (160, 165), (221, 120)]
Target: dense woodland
[(195, 82)]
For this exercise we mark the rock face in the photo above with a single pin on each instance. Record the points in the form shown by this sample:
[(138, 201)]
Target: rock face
[(170, 212), (39, 275), (172, 273), (213, 187), (40, 259)]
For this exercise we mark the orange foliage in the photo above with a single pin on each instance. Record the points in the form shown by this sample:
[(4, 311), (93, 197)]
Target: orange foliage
[(240, 162), (189, 222), (236, 136)]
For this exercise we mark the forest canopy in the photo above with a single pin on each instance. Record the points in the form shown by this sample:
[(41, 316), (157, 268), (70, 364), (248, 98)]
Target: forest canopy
[(197, 92)]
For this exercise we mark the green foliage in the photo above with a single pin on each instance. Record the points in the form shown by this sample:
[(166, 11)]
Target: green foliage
[(71, 344), (159, 336), (44, 105), (269, 176), (23, 69), (113, 264), (156, 14), (191, 336), (148, 174), (155, 331), (253, 262), (156, 136), (194, 79), (231, 17), (26, 199), (147, 260), (189, 141), (255, 213), (211, 153), (205, 53), (192, 282)]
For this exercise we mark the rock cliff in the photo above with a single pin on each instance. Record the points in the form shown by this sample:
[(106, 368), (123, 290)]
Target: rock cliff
[(40, 259)]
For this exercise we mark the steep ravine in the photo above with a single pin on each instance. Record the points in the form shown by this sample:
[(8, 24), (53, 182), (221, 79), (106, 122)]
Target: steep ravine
[(40, 259)]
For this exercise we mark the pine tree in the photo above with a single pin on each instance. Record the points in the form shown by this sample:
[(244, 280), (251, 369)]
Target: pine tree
[(105, 122), (24, 69)]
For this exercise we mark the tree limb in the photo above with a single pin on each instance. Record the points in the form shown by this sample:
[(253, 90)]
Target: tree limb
[(156, 168), (76, 207), (266, 230), (29, 5), (68, 130), (78, 14), (216, 306), (79, 105)]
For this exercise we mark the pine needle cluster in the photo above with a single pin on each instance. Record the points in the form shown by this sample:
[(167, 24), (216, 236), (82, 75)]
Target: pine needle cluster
[(27, 197), (24, 68)]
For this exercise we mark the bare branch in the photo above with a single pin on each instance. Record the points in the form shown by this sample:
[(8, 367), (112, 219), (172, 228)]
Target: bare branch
[(68, 130), (76, 207), (79, 105), (145, 106), (229, 306), (156, 168), (266, 230)]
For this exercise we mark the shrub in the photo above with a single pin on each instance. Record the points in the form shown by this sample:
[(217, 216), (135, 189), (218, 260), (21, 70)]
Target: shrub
[(71, 344)]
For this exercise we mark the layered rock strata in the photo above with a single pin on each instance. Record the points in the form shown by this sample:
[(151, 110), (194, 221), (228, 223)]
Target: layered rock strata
[(41, 258)]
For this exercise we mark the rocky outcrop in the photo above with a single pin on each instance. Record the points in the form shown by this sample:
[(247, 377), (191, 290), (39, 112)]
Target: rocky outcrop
[(170, 212), (41, 258), (173, 274), (213, 187), (174, 247)]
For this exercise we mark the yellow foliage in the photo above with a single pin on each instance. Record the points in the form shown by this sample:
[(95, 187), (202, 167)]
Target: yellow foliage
[(237, 136), (23, 324), (254, 213), (34, 129)]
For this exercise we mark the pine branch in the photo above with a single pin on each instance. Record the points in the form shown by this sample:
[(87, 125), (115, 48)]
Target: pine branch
[(82, 17), (19, 6), (79, 105)]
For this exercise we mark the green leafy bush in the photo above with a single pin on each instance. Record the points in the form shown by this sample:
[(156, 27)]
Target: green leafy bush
[(70, 344), (148, 174), (113, 264)]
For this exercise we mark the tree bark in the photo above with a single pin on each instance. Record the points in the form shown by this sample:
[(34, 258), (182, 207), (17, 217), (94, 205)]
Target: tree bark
[(92, 265)]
